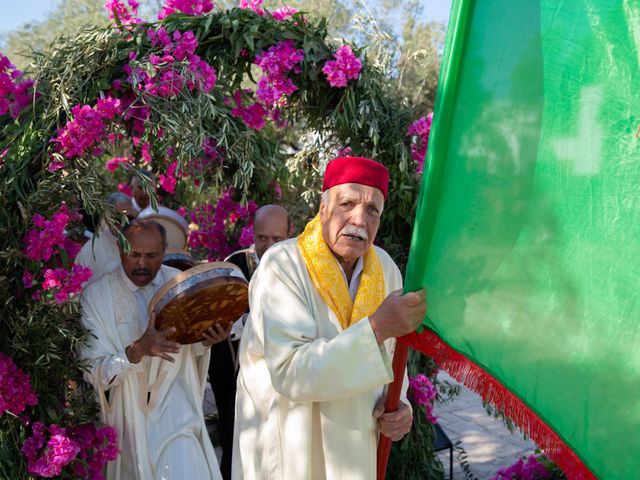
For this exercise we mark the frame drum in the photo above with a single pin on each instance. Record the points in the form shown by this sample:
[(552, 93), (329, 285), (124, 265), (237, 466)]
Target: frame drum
[(176, 226), (176, 258), (198, 298)]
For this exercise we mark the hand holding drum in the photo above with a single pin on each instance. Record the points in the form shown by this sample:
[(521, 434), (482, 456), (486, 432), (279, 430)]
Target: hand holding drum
[(153, 343)]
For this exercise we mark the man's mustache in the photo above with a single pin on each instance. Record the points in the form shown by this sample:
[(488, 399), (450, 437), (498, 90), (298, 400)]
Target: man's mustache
[(141, 271), (355, 232)]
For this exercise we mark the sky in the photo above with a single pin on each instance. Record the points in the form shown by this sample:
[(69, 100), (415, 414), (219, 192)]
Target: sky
[(18, 12)]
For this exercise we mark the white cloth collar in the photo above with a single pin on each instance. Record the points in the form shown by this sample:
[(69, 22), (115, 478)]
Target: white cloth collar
[(355, 278)]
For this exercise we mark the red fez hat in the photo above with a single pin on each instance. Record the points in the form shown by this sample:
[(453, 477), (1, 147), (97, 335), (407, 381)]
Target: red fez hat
[(356, 170)]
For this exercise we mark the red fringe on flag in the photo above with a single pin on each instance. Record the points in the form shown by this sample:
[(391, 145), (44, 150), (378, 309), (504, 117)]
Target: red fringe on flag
[(492, 391)]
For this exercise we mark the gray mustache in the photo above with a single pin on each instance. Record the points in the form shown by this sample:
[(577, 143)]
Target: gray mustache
[(355, 231)]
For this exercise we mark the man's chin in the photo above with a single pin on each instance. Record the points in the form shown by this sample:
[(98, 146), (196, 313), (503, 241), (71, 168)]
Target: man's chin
[(351, 252), (141, 280)]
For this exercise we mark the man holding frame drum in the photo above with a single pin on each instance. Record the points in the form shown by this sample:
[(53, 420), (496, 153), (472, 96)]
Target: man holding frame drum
[(150, 388)]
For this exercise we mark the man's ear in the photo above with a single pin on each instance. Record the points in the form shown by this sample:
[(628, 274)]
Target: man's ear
[(322, 211)]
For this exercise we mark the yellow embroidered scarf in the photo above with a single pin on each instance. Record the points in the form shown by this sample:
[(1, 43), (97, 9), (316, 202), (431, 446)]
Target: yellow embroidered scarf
[(328, 278)]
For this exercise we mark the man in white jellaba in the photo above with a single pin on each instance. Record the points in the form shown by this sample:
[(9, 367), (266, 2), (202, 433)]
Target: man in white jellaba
[(315, 354), (102, 254), (149, 389)]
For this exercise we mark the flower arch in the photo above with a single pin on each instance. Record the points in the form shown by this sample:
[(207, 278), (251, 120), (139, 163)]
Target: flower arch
[(227, 108)]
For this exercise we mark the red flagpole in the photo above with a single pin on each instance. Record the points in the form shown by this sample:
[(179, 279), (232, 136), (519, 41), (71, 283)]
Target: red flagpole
[(391, 404)]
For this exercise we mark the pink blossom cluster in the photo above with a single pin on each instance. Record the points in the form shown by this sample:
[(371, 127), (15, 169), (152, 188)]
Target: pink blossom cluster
[(64, 283), (253, 114), (177, 53), (97, 447), (126, 13), (276, 63), (135, 115), (246, 236), (87, 128), (420, 129), (422, 392), (283, 13), (190, 7), (218, 230), (113, 164), (273, 88), (531, 469), (52, 448), (15, 388), (46, 240), (252, 5), (15, 92), (345, 67), (126, 189), (41, 241), (168, 179), (46, 457)]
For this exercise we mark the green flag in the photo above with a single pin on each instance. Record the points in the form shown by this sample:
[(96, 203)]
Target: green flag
[(527, 234)]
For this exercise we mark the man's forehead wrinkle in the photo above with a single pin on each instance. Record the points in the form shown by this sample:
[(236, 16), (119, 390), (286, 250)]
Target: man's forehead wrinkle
[(370, 198)]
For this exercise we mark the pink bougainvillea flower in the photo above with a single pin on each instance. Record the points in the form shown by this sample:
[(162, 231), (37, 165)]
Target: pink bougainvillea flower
[(252, 5), (420, 129), (65, 283), (422, 391), (276, 63), (15, 92), (47, 458), (246, 236), (214, 223), (190, 7), (15, 387), (97, 447), (531, 469), (125, 13), (55, 165), (177, 67), (168, 181), (113, 164), (82, 134), (40, 242), (72, 248), (252, 115), (27, 279), (345, 67), (283, 13), (126, 189)]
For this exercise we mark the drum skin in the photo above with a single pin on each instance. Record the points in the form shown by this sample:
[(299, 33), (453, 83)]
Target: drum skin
[(177, 258), (199, 298), (175, 226)]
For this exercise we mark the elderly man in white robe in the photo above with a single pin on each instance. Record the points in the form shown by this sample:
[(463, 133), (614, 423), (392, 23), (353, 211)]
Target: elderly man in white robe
[(102, 254), (149, 389), (315, 355)]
